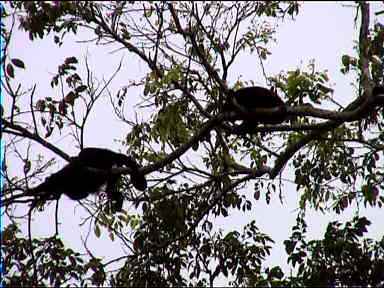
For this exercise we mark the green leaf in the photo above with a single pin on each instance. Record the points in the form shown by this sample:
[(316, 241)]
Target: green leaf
[(97, 231)]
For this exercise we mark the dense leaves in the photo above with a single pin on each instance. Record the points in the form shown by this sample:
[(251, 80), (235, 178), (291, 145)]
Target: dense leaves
[(55, 265), (343, 257)]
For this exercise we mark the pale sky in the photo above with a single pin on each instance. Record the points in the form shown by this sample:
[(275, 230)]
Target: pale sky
[(323, 32)]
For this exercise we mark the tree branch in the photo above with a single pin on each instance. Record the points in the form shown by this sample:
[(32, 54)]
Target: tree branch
[(33, 136)]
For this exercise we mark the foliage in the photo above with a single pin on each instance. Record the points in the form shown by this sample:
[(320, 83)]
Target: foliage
[(168, 232), (55, 264), (343, 258)]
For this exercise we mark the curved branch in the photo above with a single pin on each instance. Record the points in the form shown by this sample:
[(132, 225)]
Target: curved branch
[(354, 111), (207, 127), (33, 136)]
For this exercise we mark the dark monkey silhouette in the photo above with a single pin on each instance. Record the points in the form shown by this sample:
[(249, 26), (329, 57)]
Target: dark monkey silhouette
[(87, 172), (246, 100)]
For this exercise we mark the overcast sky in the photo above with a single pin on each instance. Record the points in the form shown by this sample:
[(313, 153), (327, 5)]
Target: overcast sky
[(322, 32)]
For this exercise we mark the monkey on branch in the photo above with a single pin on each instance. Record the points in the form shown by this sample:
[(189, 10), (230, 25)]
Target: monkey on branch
[(255, 105), (87, 173)]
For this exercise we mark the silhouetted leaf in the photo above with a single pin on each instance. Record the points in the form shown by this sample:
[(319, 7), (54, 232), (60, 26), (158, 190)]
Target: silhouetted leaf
[(18, 63), (10, 70)]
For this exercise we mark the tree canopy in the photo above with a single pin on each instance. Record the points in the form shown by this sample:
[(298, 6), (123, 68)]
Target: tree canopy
[(199, 168)]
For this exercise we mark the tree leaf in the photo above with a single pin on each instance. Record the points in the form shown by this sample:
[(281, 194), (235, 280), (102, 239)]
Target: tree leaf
[(70, 98), (81, 88), (18, 63), (71, 60), (97, 231), (10, 70)]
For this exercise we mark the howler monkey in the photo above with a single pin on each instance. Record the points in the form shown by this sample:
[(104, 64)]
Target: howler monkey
[(246, 100), (87, 172)]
